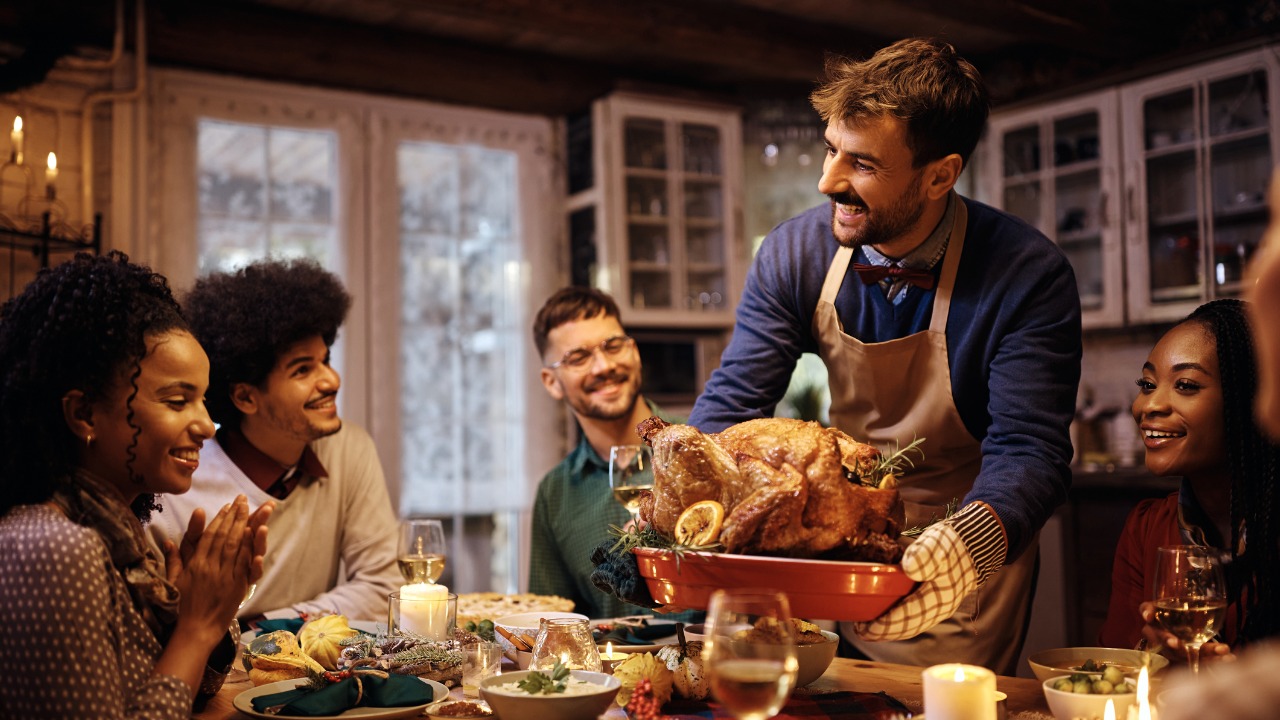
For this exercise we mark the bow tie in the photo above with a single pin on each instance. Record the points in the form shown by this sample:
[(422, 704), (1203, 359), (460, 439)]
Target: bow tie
[(872, 274)]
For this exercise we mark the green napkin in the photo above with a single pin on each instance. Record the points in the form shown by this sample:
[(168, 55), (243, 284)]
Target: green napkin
[(293, 625), (337, 698), (636, 634)]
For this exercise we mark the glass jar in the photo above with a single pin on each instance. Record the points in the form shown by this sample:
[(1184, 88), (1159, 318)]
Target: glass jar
[(568, 640)]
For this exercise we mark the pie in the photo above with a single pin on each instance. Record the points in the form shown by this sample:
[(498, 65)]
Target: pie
[(474, 607)]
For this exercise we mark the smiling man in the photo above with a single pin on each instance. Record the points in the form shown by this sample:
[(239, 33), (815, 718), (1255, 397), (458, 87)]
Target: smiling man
[(938, 318), (590, 363), (267, 329)]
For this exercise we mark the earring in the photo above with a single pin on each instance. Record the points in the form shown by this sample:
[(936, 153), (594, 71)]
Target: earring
[(88, 440)]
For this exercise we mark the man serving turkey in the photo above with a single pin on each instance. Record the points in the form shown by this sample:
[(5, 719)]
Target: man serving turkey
[(937, 317)]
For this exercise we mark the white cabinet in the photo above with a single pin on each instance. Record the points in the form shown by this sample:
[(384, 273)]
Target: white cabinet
[(1057, 167), (1199, 148), (1155, 189), (658, 208)]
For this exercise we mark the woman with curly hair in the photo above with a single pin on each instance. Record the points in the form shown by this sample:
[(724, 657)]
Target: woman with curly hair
[(102, 407), (1194, 409)]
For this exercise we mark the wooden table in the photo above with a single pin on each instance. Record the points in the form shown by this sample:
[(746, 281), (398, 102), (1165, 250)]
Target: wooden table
[(1026, 699)]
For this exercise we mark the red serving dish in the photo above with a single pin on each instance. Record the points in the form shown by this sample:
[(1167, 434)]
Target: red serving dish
[(817, 589)]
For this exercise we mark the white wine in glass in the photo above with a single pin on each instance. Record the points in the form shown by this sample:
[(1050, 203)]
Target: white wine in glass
[(752, 673), (1190, 596), (630, 475), (422, 551)]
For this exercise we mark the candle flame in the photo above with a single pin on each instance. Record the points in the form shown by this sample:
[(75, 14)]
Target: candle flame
[(53, 161), (1110, 712), (1144, 707), (608, 648), (959, 674), (17, 123)]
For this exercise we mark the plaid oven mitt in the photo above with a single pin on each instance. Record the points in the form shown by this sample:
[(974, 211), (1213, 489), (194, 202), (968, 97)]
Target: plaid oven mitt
[(950, 559)]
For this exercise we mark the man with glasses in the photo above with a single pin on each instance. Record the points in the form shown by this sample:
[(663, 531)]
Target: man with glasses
[(589, 362)]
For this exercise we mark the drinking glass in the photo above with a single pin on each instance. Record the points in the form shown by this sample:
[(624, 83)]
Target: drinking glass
[(421, 552), (752, 671), (630, 475), (1190, 595), (479, 661), (568, 640)]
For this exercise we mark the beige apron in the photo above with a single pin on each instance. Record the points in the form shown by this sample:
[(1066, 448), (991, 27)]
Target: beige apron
[(890, 393)]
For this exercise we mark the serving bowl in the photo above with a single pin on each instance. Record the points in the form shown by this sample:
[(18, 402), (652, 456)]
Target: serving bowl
[(1086, 706), (815, 658), (526, 624), (1050, 663), (522, 706)]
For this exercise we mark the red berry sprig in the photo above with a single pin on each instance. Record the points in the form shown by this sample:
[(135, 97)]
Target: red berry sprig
[(642, 705)]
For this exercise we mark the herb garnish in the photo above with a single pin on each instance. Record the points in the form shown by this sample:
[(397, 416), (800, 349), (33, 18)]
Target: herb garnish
[(540, 683)]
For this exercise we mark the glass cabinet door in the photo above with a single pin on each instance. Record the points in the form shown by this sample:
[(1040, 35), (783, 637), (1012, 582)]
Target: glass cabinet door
[(704, 231), (1238, 165), (648, 233), (1173, 213)]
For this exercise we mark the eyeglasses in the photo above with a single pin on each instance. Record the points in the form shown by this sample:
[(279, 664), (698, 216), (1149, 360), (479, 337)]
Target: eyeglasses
[(577, 358)]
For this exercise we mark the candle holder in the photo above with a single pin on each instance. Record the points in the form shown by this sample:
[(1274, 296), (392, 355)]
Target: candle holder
[(427, 611), (959, 692), (567, 640)]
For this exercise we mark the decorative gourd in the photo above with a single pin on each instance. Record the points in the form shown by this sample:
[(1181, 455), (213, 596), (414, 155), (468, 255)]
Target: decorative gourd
[(684, 660), (637, 667), (322, 638), (277, 656)]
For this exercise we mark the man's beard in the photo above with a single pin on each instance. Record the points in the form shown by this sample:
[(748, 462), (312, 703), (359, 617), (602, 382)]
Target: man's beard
[(587, 407), (879, 226)]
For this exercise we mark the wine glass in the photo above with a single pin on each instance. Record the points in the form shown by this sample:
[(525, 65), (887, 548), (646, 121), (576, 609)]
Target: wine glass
[(750, 647), (630, 475), (422, 551), (1190, 595)]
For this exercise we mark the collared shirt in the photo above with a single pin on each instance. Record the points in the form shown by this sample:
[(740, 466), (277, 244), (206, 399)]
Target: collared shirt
[(275, 479), (925, 256)]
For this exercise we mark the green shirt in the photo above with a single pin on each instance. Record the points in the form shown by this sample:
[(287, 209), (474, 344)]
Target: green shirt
[(571, 516)]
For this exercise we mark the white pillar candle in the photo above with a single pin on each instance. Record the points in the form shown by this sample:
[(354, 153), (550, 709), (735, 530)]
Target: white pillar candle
[(959, 692), (424, 610), (15, 137)]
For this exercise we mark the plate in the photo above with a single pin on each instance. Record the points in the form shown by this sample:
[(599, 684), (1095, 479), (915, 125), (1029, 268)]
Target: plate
[(433, 708), (825, 589), (243, 704), (648, 647)]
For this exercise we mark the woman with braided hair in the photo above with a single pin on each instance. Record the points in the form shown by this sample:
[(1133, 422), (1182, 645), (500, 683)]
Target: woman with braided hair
[(101, 408), (1194, 409)]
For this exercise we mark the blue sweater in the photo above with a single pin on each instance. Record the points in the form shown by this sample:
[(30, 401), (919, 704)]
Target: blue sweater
[(1013, 344)]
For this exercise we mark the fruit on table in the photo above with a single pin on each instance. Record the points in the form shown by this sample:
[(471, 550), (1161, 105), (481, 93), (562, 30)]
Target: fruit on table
[(322, 638), (700, 523), (640, 666), (278, 656)]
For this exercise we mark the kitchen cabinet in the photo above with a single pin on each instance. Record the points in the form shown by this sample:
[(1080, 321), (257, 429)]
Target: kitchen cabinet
[(1057, 167), (1199, 147), (1154, 189), (654, 208)]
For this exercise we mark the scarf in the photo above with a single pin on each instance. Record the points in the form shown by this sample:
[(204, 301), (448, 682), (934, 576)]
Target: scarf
[(90, 501)]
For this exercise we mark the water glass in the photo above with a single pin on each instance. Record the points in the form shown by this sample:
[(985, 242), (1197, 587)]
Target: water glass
[(479, 661)]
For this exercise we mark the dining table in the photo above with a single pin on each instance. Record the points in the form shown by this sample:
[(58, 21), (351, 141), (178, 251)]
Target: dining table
[(902, 682)]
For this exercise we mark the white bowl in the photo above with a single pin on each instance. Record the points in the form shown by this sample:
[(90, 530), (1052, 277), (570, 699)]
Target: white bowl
[(527, 624), (550, 707), (1050, 663), (1072, 706), (815, 658), (697, 631)]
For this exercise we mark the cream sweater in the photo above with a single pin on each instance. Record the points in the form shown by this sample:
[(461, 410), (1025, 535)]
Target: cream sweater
[(332, 542)]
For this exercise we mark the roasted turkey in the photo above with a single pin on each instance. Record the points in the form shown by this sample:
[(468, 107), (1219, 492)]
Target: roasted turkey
[(788, 487)]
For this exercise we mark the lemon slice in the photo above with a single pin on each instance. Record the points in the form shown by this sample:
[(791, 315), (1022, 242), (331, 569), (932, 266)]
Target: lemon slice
[(700, 523)]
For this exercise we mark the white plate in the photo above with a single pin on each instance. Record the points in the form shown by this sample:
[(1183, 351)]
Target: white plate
[(651, 647), (243, 704)]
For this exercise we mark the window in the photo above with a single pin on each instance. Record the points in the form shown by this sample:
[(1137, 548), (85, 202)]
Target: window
[(435, 218)]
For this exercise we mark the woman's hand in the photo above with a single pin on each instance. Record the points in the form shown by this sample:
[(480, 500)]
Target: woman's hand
[(216, 564), (1157, 639)]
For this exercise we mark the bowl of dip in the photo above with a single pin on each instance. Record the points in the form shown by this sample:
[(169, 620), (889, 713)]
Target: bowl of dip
[(587, 695)]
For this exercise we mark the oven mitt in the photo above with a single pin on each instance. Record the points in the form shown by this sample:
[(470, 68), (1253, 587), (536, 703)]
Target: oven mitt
[(950, 559), (617, 573), (367, 690)]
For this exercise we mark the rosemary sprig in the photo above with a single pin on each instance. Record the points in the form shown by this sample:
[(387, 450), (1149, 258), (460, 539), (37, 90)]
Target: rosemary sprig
[(952, 506), (651, 538), (893, 463)]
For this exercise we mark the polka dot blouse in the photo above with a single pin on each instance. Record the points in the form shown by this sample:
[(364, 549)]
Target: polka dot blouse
[(73, 644)]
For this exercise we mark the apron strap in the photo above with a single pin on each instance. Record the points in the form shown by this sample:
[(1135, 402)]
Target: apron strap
[(950, 265), (836, 274)]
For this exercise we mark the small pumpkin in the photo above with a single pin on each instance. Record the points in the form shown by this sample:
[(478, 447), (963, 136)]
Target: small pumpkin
[(322, 638)]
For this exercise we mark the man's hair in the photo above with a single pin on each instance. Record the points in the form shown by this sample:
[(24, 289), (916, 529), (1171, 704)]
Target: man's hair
[(939, 95), (567, 305), (1254, 464), (82, 325), (246, 319)]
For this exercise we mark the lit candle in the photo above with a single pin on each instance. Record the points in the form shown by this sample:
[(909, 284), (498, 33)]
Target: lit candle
[(424, 610), (1110, 712), (609, 658), (16, 137), (1143, 710), (51, 174), (959, 692)]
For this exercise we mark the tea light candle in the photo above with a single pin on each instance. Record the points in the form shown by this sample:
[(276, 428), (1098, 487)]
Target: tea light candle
[(51, 175), (609, 658), (424, 610), (959, 692)]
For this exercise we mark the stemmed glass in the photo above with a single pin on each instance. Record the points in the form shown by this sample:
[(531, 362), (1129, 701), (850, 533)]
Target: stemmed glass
[(421, 553), (752, 671), (630, 475), (1190, 595)]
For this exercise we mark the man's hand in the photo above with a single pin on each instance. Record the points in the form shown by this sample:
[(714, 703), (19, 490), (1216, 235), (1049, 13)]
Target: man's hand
[(940, 560)]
